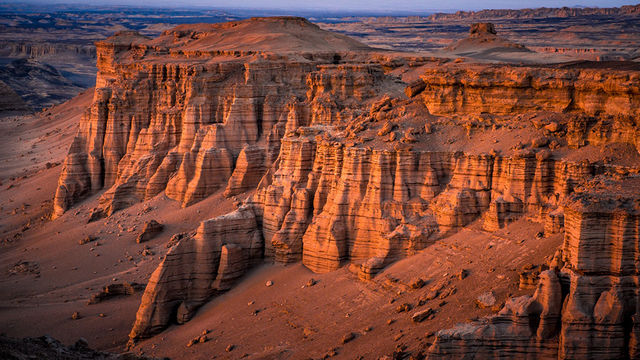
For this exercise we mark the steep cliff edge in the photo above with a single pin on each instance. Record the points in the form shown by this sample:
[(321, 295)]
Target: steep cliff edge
[(329, 205), (498, 89), (175, 112), (598, 106)]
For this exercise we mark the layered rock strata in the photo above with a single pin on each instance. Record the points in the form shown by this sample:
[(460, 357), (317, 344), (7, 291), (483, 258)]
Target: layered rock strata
[(586, 307), (180, 126), (347, 169), (512, 90), (604, 103), (196, 268), (328, 205)]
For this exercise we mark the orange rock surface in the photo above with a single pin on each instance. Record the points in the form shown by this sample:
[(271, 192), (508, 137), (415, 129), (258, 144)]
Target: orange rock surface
[(347, 155)]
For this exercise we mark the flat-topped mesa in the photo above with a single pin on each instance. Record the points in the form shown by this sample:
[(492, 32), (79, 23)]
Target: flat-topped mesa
[(173, 113), (280, 34), (586, 306)]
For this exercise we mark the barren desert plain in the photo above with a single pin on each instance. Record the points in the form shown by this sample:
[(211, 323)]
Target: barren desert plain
[(235, 184)]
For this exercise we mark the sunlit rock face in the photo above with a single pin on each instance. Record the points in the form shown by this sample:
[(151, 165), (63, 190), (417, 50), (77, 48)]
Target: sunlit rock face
[(167, 117), (197, 268), (348, 161), (586, 306)]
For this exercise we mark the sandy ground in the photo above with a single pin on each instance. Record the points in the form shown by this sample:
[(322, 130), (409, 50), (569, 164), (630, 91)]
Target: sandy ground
[(58, 274), (291, 320)]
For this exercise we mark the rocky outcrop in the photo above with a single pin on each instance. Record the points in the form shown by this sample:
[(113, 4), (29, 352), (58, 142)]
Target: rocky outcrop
[(483, 38), (511, 90), (599, 105), (198, 123), (198, 267), (521, 329), (328, 204), (344, 169), (115, 290), (480, 29), (250, 167), (586, 306), (150, 230)]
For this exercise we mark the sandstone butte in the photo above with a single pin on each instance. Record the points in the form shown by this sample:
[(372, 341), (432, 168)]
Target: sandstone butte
[(354, 155)]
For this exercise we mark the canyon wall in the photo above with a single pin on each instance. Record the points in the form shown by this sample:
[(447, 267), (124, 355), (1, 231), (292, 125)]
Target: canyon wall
[(329, 205), (179, 127), (600, 106), (37, 50), (586, 306), (348, 169), (496, 89)]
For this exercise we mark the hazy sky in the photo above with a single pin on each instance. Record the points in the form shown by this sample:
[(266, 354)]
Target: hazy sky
[(337, 5)]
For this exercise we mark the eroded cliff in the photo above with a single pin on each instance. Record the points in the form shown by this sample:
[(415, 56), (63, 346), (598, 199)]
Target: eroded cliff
[(335, 164), (586, 305), (178, 126)]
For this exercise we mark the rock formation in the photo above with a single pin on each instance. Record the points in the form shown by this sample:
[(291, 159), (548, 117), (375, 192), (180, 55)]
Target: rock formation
[(346, 163), (328, 205), (196, 268), (483, 38), (586, 306), (150, 230), (180, 125), (511, 90)]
